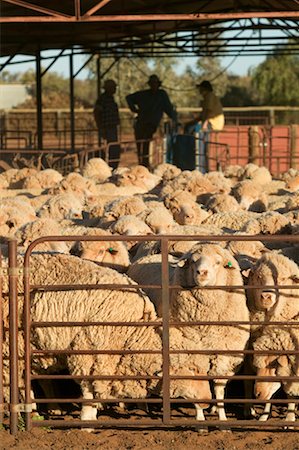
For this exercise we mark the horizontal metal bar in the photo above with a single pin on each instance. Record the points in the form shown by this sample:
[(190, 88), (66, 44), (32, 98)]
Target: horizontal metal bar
[(212, 401), (156, 422), (171, 377), (198, 17), (157, 352)]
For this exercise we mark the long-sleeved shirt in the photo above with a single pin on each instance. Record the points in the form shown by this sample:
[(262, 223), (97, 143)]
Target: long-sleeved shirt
[(106, 112), (150, 106)]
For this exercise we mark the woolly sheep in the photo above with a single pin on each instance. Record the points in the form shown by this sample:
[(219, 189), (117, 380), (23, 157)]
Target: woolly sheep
[(259, 175), (121, 207), (76, 184), (218, 179), (250, 196), (105, 305), (222, 203), (62, 206), (159, 220), (292, 202), (97, 169), (211, 265), (15, 177), (167, 171), (190, 213), (230, 221), (246, 252), (112, 253), (42, 227), (177, 197), (130, 226), (270, 222), (277, 339), (44, 179), (193, 182), (13, 216), (138, 176)]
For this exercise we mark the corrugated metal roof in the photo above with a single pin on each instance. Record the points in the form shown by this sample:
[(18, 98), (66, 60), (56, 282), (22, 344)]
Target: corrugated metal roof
[(132, 26)]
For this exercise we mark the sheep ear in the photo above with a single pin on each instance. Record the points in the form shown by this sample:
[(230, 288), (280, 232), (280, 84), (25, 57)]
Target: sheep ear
[(283, 361), (184, 262)]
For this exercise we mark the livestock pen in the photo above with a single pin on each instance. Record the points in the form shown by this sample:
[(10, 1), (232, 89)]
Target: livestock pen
[(165, 410)]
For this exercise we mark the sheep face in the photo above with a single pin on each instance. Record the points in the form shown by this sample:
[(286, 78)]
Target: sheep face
[(206, 267), (108, 254), (273, 366)]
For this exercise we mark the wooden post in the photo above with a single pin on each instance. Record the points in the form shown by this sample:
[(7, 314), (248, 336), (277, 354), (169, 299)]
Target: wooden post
[(253, 145), (293, 146)]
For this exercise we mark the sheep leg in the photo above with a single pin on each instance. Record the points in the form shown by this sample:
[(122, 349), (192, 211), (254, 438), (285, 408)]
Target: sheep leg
[(291, 417), (266, 413), (219, 388), (200, 416), (88, 411)]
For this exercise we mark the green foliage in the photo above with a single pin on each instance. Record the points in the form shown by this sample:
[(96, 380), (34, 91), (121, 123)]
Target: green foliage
[(276, 81), (239, 91)]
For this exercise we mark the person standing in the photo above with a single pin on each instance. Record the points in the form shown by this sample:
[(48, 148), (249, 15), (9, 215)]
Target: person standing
[(106, 115), (149, 105), (211, 118)]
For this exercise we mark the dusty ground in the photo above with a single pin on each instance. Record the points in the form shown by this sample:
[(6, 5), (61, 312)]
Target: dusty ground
[(177, 439)]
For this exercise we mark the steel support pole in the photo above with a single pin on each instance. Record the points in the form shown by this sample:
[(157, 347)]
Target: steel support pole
[(99, 75), (72, 104), (165, 331), (13, 336), (39, 106)]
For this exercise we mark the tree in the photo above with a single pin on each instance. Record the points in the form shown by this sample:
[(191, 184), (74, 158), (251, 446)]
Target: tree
[(276, 80)]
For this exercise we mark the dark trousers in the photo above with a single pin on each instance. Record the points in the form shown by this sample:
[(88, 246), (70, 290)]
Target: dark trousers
[(143, 135), (111, 136)]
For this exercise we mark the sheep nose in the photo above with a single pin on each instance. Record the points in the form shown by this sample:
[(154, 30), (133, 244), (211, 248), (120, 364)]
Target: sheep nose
[(203, 272), (257, 394)]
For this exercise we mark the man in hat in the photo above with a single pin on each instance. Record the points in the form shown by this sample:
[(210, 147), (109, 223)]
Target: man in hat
[(210, 118), (149, 105), (107, 119)]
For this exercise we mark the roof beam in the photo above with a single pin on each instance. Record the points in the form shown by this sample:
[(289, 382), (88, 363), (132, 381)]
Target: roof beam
[(96, 8), (57, 17), (36, 8)]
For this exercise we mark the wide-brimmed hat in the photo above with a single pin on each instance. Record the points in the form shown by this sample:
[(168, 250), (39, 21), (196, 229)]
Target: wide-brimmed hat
[(154, 78), (205, 84)]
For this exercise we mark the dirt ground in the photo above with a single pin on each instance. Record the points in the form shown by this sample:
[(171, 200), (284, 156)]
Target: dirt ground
[(176, 439)]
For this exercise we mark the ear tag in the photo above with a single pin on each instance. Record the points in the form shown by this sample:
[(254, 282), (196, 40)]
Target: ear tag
[(229, 264), (111, 250)]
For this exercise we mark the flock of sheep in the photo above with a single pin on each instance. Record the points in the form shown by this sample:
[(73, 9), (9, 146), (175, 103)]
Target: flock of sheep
[(133, 201)]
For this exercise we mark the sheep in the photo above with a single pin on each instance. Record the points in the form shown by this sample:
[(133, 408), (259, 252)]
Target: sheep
[(176, 248), (190, 213), (277, 339), (3, 182), (177, 197), (230, 221), (14, 214), (129, 365), (159, 220), (193, 182), (62, 206), (167, 171), (121, 207), (112, 253), (76, 184), (222, 203), (211, 265), (292, 202), (246, 252), (15, 177), (104, 305), (138, 176), (42, 227), (259, 175), (97, 169), (273, 269), (44, 179), (270, 222), (148, 270), (130, 225), (250, 196), (218, 179), (233, 172)]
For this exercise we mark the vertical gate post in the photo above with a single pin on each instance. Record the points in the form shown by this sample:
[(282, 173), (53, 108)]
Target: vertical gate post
[(39, 102), (253, 145), (13, 335), (165, 331), (293, 146), (72, 103)]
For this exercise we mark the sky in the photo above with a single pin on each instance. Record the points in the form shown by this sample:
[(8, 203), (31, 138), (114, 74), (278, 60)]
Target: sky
[(238, 66)]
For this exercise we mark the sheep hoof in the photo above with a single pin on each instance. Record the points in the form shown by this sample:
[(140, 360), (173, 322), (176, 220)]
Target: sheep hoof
[(202, 430), (263, 418)]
